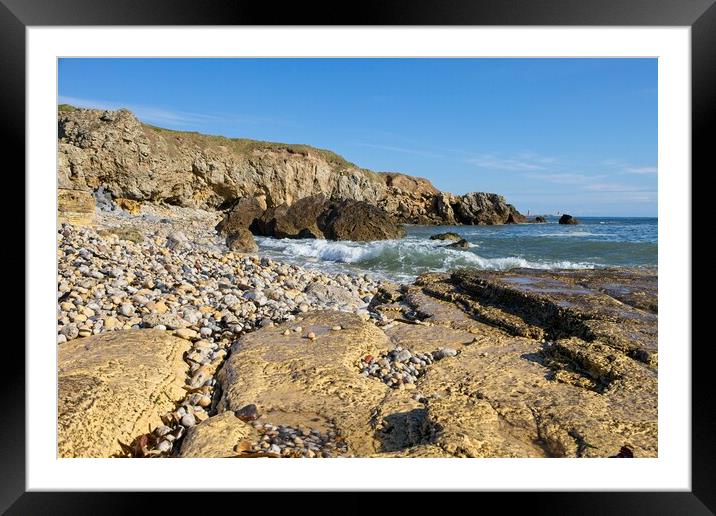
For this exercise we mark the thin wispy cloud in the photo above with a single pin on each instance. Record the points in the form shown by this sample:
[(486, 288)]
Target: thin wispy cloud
[(144, 113), (565, 178), (405, 150), (641, 170), (519, 162), (161, 116), (617, 187), (628, 168)]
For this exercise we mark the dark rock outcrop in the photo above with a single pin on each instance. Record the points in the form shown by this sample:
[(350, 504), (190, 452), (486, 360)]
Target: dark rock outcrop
[(241, 216), (568, 219), (319, 217), (446, 236), (486, 208), (299, 220), (539, 219), (359, 221), (460, 244)]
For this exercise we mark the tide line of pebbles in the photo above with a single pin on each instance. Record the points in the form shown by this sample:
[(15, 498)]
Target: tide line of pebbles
[(288, 441), (401, 368), (167, 280)]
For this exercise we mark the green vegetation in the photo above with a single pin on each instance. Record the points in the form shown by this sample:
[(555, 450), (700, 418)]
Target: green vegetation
[(175, 138), (246, 146)]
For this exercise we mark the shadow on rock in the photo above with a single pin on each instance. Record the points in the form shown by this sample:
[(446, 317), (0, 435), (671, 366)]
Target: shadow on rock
[(404, 430)]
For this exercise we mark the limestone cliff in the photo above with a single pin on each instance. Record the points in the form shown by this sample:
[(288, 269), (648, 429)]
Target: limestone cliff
[(138, 161)]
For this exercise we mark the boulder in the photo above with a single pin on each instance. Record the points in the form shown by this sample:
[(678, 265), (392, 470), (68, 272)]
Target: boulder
[(114, 387), (299, 220), (568, 219), (319, 217), (75, 207), (129, 205), (241, 216), (446, 236), (359, 221), (241, 241), (216, 437)]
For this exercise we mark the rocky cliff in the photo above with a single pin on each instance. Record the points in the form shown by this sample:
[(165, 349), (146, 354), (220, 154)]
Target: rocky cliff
[(132, 160)]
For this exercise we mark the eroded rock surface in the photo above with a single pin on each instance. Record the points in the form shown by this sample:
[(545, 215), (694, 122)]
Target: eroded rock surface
[(76, 207), (115, 386), (540, 364), (302, 382)]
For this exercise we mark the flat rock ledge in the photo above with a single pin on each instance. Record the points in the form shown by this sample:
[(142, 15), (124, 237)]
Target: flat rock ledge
[(471, 363), (535, 365), (114, 387)]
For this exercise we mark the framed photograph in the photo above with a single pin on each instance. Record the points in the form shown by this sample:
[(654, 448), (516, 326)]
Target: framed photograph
[(441, 248)]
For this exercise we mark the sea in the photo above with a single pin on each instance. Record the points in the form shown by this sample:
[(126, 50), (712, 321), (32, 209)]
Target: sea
[(595, 242)]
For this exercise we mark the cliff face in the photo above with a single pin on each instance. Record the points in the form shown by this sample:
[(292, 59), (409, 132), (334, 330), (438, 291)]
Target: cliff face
[(132, 160)]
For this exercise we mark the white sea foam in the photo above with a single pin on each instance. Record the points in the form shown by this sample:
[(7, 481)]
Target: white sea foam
[(397, 259)]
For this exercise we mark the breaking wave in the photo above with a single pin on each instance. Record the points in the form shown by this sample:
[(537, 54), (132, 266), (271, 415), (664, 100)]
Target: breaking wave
[(398, 259)]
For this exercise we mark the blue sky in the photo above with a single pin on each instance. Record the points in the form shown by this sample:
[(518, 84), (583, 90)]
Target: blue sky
[(553, 135)]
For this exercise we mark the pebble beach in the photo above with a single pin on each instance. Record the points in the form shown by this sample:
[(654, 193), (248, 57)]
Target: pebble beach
[(168, 270)]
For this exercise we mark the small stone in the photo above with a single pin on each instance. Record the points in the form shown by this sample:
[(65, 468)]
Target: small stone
[(188, 420), (204, 401), (247, 413), (164, 446), (337, 327), (185, 333), (242, 447), (70, 331), (162, 430), (287, 332), (126, 309), (403, 356), (443, 353), (311, 336), (274, 448), (297, 329)]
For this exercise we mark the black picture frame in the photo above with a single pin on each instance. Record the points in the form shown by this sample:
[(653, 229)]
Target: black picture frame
[(700, 15)]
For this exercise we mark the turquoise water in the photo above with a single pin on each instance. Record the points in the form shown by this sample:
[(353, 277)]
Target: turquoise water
[(596, 242)]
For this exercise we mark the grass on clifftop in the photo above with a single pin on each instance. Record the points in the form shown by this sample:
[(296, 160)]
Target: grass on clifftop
[(245, 146), (238, 145)]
